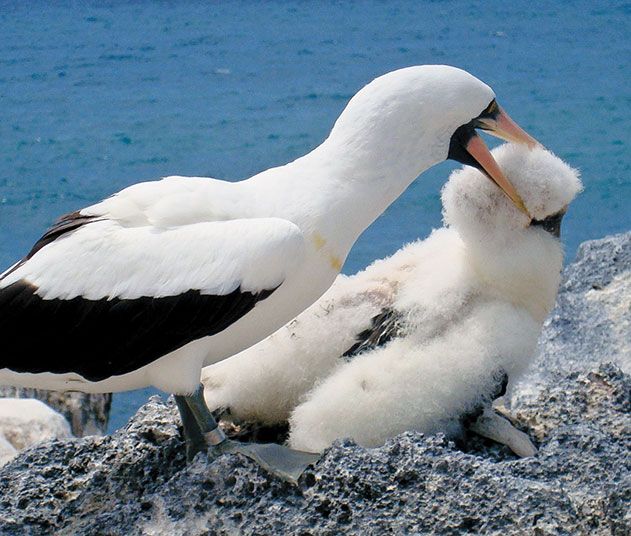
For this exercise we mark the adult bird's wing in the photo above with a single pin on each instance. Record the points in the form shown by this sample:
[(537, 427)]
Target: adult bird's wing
[(106, 299)]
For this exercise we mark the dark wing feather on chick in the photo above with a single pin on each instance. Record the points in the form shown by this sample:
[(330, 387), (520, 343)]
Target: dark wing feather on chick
[(383, 328)]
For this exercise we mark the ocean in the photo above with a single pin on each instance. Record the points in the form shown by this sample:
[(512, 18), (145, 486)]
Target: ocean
[(95, 96)]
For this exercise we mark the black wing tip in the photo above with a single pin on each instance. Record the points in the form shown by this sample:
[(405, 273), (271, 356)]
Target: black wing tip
[(65, 224)]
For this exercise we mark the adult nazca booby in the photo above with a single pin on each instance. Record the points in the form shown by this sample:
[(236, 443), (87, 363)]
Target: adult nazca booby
[(164, 277), (425, 339)]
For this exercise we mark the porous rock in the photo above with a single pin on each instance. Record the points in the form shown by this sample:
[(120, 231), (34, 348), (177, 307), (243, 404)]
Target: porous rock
[(137, 482), (591, 321)]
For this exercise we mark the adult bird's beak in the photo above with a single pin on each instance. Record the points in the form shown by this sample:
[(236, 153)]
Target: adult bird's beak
[(497, 122), (467, 147)]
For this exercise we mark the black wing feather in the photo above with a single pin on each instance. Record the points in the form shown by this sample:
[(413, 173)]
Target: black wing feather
[(102, 338), (66, 224), (383, 328)]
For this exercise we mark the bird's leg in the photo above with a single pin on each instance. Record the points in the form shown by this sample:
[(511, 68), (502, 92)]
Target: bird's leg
[(493, 426), (281, 461), (207, 428), (192, 435)]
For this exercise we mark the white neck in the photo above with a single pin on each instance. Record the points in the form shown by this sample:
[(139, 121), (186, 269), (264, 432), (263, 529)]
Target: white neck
[(342, 186), (389, 133), (527, 270)]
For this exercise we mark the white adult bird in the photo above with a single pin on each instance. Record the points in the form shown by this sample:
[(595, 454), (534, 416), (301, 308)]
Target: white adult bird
[(147, 286), (425, 339)]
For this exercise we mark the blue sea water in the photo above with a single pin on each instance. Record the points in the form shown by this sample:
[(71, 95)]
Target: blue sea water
[(95, 96)]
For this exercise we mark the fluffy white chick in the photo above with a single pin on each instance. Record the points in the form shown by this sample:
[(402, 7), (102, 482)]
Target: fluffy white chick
[(426, 338)]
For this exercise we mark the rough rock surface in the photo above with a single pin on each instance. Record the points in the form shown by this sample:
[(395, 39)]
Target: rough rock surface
[(592, 317), (591, 322), (137, 482), (87, 414)]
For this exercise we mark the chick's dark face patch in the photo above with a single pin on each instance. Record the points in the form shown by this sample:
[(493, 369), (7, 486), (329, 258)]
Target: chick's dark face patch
[(551, 224)]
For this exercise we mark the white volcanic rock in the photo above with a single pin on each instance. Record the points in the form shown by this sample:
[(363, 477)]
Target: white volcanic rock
[(87, 413), (26, 421), (7, 450)]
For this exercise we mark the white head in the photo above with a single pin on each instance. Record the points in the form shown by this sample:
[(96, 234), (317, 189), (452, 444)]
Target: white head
[(410, 119), (512, 251)]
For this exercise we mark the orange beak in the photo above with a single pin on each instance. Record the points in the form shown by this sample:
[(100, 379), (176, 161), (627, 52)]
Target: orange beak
[(480, 152), (499, 124)]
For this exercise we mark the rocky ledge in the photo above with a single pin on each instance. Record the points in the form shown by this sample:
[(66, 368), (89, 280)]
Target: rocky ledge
[(575, 403)]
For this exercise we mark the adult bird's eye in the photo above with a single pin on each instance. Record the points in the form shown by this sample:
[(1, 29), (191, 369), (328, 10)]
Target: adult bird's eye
[(491, 111)]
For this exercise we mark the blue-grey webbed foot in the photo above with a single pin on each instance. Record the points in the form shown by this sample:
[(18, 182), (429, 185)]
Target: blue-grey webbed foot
[(203, 433), (283, 462)]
